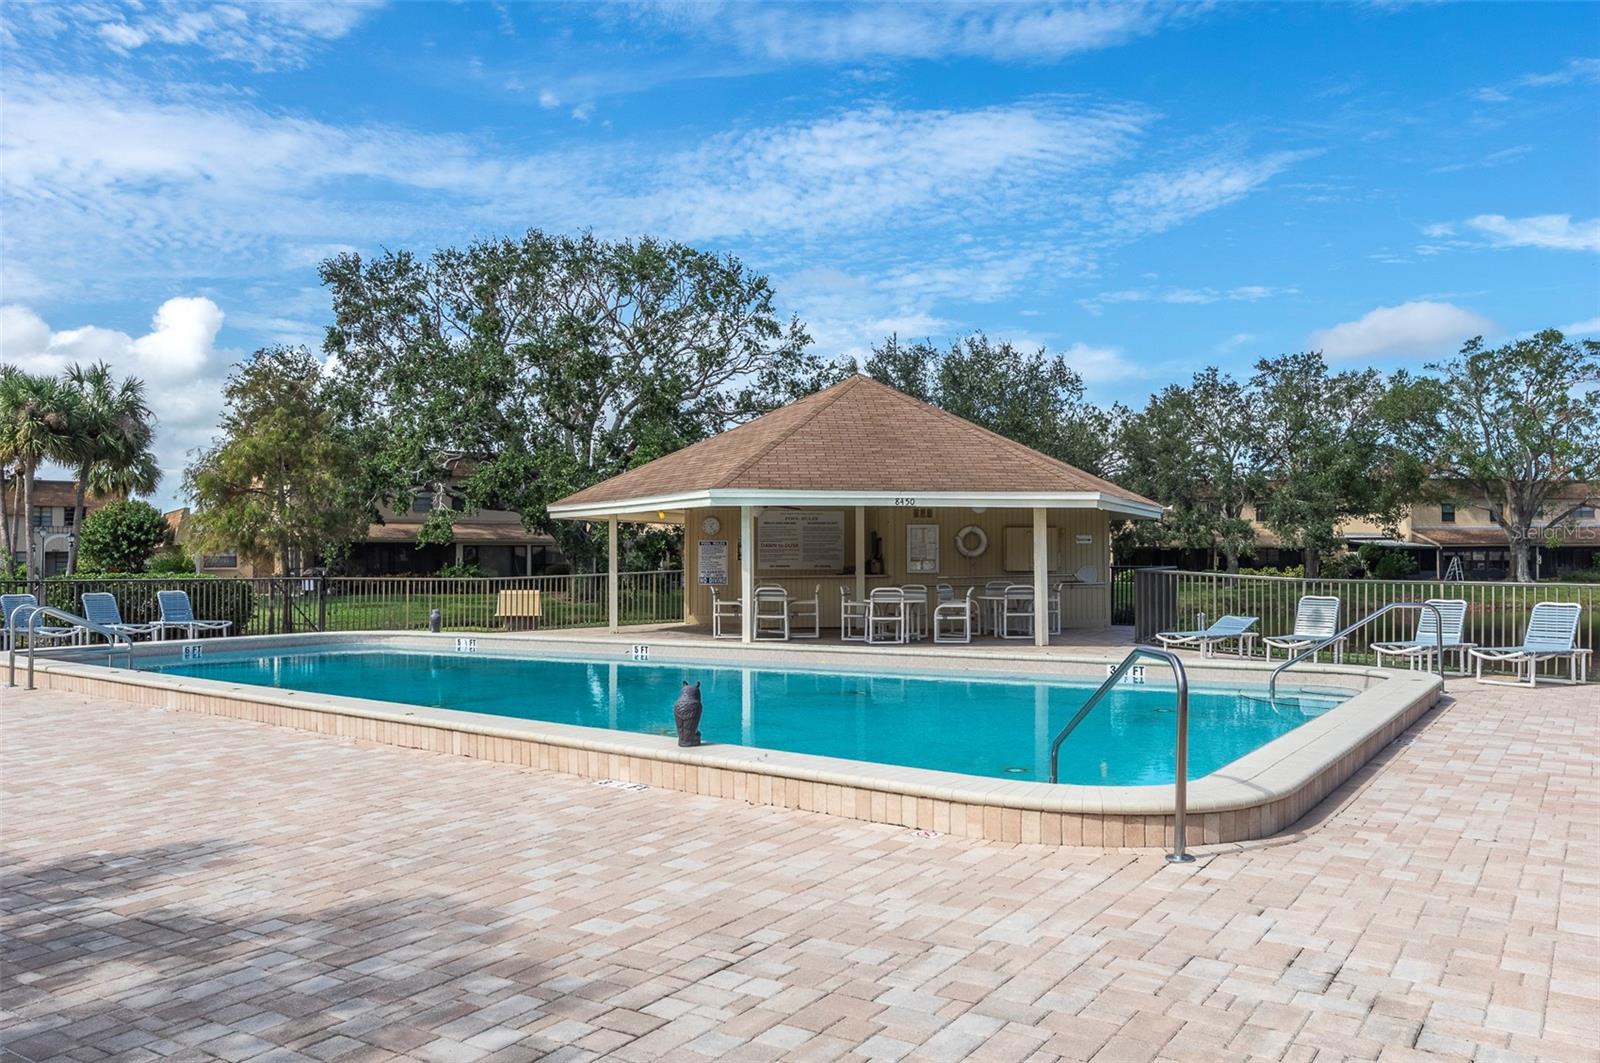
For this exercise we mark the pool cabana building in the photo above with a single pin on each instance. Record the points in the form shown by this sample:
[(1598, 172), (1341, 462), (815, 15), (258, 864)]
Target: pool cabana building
[(860, 486)]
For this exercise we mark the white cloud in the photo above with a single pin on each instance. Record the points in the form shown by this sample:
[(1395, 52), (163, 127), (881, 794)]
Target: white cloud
[(1415, 328), (178, 359), (863, 166), (262, 35), (1553, 231), (1098, 365), (1154, 202), (1247, 293), (898, 31), (102, 181), (1589, 327), (1580, 71)]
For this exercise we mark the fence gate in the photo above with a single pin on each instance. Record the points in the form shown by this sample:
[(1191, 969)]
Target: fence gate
[(1155, 595)]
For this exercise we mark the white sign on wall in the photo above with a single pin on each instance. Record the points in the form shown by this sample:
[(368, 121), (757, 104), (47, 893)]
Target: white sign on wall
[(712, 567), (795, 540)]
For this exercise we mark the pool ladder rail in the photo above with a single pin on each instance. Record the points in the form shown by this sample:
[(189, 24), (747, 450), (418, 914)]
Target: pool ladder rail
[(1180, 779), (34, 612), (1317, 647)]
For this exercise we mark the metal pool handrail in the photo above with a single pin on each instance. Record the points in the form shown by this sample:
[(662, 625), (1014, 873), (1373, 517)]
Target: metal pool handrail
[(1318, 647), (34, 613), (1180, 781)]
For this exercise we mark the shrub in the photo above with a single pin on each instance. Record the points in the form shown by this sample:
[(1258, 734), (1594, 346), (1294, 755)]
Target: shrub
[(462, 572), (1382, 563), (121, 537), (174, 561), (1288, 571)]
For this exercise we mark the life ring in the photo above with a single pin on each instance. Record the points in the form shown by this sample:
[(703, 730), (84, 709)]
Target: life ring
[(972, 541)]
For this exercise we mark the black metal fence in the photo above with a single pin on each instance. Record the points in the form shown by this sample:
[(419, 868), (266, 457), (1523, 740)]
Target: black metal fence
[(281, 605)]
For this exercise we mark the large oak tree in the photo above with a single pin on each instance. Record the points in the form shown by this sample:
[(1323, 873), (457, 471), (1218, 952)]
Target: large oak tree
[(530, 368)]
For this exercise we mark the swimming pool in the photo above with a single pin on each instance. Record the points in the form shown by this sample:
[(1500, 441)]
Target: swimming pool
[(994, 726)]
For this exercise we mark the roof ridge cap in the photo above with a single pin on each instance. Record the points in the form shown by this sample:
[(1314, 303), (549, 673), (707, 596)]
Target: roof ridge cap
[(839, 389)]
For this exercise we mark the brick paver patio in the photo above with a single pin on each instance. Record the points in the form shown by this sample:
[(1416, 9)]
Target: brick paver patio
[(189, 887)]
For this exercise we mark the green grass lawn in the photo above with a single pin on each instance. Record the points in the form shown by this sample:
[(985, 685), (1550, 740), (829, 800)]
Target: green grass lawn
[(476, 612)]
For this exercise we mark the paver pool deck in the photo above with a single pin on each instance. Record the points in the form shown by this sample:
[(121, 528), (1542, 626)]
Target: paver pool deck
[(191, 887)]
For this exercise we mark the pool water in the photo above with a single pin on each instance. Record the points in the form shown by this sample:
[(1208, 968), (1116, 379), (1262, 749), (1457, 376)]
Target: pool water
[(990, 727)]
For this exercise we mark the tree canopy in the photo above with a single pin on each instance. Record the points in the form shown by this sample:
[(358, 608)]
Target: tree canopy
[(550, 363), (1518, 425), (1035, 398), (1199, 450), (1333, 451), (283, 479)]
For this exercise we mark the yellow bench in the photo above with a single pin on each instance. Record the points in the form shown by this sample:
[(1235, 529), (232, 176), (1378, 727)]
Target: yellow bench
[(518, 610)]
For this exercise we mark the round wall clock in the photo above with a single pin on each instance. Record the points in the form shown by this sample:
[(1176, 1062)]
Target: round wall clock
[(711, 525)]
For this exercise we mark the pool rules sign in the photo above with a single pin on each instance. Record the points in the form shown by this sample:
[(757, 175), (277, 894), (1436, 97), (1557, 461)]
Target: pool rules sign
[(712, 565)]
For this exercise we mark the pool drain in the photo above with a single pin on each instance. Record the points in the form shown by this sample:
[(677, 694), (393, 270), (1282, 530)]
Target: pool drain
[(1016, 771)]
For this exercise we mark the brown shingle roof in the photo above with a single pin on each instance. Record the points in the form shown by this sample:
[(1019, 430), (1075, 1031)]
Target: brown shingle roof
[(858, 435)]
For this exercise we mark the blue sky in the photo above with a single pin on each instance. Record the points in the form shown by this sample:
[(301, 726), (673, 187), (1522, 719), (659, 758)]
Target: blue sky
[(1146, 189)]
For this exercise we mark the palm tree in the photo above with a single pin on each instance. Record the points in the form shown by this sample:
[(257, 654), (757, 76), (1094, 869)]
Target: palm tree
[(111, 447), (38, 423), (9, 382)]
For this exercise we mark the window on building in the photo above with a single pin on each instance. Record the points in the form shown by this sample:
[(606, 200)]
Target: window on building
[(1584, 513), (67, 515), (44, 517), (422, 503), (219, 560), (1447, 512)]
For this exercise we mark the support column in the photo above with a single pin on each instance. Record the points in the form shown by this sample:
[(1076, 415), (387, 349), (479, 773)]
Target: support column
[(861, 553), (747, 574), (1041, 578), (613, 597)]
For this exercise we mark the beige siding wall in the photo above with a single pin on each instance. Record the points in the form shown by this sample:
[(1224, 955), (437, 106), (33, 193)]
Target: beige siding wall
[(1087, 606)]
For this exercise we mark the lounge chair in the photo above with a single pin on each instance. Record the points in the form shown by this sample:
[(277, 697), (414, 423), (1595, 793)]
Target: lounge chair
[(100, 607), (1315, 619), (15, 614), (1551, 635), (178, 615), (1421, 647), (1221, 630)]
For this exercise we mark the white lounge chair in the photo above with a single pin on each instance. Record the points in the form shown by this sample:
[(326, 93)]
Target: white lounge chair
[(16, 611), (771, 614), (100, 607), (1420, 648), (725, 610), (178, 615), (1221, 630), (952, 618), (1315, 618), (1552, 634)]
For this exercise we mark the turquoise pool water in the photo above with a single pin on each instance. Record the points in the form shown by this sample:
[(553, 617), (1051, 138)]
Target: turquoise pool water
[(992, 727)]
